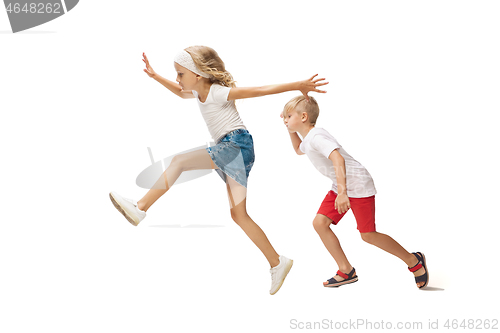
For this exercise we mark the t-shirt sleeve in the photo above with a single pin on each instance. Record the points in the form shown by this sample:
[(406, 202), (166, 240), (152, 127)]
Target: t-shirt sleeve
[(324, 145), (302, 147), (220, 93)]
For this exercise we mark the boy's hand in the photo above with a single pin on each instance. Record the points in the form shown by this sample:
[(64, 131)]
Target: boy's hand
[(342, 203), (311, 85), (148, 70)]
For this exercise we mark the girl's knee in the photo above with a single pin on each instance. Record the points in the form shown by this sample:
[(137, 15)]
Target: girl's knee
[(234, 215), (178, 162), (238, 215)]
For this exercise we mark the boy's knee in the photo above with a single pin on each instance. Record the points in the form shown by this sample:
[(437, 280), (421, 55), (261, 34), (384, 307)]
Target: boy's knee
[(321, 222), (368, 236)]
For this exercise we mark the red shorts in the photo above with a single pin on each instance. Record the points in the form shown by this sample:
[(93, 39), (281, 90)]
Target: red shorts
[(362, 208)]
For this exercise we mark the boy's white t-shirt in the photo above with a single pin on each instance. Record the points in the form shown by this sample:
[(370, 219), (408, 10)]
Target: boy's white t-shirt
[(318, 145), (220, 114)]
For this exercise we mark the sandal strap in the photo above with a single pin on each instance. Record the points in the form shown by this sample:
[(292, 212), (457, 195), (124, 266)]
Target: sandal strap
[(419, 263), (346, 276), (416, 267), (421, 278), (332, 281)]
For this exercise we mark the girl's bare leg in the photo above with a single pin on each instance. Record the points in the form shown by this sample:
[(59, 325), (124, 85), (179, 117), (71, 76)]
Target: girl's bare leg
[(200, 159), (237, 201), (196, 160)]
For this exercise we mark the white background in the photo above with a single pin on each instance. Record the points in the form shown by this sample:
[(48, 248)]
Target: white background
[(413, 96)]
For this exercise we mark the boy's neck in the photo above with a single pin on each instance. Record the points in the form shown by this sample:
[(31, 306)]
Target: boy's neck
[(305, 130)]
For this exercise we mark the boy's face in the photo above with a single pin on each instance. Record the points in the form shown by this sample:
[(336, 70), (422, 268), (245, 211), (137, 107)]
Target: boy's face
[(293, 120)]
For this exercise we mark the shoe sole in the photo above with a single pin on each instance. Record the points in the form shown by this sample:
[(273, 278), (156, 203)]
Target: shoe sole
[(287, 270), (123, 211), (341, 283)]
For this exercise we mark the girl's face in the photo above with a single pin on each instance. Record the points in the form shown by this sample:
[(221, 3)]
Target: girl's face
[(187, 79)]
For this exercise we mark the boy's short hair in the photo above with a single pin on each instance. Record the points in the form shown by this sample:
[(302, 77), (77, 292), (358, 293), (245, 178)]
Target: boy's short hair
[(300, 104)]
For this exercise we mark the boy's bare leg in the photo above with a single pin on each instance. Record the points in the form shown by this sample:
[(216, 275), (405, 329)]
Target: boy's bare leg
[(389, 245), (237, 201), (322, 225), (196, 160)]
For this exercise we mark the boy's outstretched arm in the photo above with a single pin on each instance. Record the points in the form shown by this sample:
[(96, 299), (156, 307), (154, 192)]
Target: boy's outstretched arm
[(170, 85), (304, 86), (342, 203)]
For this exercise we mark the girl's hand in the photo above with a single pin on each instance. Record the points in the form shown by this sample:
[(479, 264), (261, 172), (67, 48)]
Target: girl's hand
[(342, 203), (148, 69), (311, 85)]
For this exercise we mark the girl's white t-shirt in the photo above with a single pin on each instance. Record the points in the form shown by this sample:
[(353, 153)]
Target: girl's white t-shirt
[(318, 145), (220, 114)]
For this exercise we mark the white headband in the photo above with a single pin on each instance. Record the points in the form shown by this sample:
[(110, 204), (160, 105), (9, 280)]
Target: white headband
[(184, 59)]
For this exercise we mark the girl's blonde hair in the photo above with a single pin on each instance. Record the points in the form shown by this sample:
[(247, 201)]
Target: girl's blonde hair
[(209, 62)]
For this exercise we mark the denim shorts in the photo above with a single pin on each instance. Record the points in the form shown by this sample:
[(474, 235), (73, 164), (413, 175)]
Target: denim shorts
[(234, 155)]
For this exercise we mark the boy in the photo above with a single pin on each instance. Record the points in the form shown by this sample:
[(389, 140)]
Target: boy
[(352, 188)]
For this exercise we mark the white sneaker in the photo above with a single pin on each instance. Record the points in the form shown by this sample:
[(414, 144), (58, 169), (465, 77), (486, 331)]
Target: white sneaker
[(128, 208), (278, 274)]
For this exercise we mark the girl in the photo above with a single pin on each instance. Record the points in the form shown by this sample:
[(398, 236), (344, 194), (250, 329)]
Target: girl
[(201, 74)]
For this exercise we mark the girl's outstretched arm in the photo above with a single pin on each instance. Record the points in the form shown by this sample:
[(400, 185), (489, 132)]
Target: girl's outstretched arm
[(304, 87), (170, 85)]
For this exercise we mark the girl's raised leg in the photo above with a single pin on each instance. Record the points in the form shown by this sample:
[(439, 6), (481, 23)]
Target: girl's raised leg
[(196, 160)]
